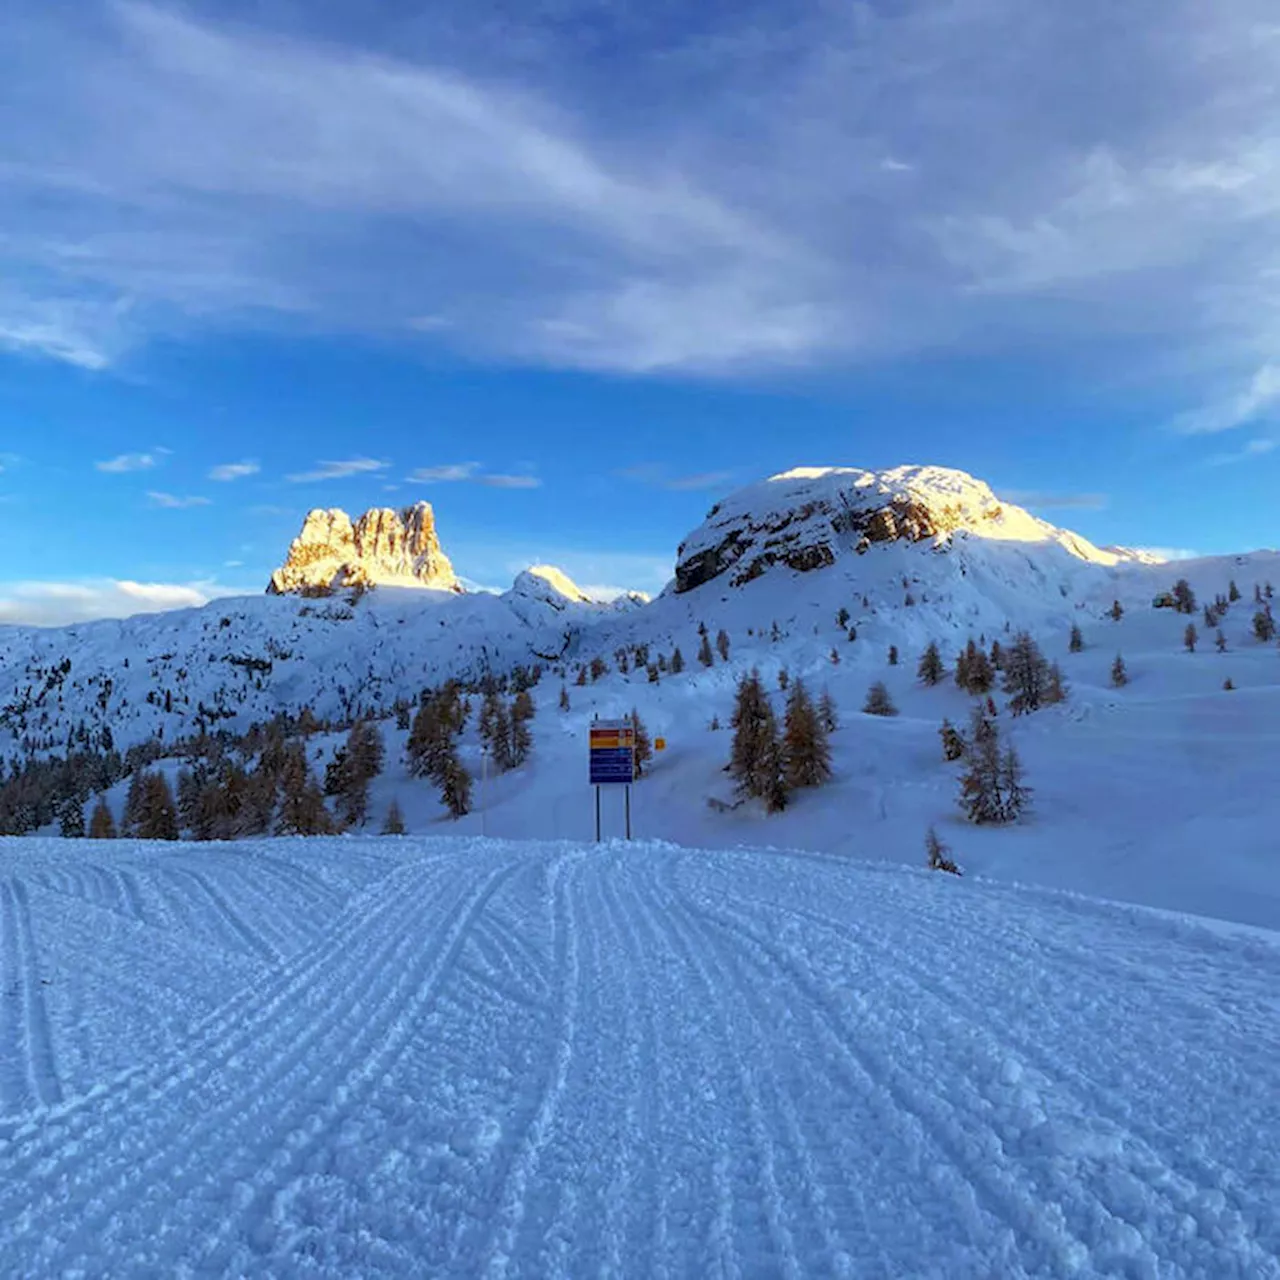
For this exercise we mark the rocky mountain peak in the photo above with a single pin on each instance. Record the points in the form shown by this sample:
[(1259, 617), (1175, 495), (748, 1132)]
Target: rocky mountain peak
[(805, 518), (383, 546)]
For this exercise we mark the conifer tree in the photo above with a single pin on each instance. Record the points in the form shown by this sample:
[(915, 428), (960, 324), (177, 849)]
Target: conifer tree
[(653, 674), (159, 815), (1264, 626), (393, 823), (1015, 792), (1076, 642), (808, 753), (1189, 637), (784, 679), (599, 667), (1184, 599), (521, 740), (677, 658), (1057, 690), (1221, 641), (936, 854), (1027, 676), (102, 825), (581, 678), (842, 618), (1233, 592), (705, 656), (992, 789), (1227, 684), (455, 786), (131, 817), (71, 818), (302, 809), (878, 702), (522, 707), (643, 744), (499, 741), (931, 669), (997, 658), (564, 698), (756, 757), (1119, 675), (953, 744), (827, 712), (1116, 611), (722, 644)]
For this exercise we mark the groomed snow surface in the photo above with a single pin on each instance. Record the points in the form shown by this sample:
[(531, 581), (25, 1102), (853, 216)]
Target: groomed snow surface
[(412, 1057)]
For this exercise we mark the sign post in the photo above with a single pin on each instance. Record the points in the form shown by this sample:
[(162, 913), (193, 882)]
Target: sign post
[(612, 751)]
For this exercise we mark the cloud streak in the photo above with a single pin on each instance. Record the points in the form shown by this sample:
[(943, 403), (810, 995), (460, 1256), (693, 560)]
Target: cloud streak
[(126, 462), (172, 501), (229, 471), (340, 470), (165, 172), (51, 604), (471, 473)]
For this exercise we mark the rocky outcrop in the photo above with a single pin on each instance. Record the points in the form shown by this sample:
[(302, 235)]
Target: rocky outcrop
[(804, 519), (383, 546)]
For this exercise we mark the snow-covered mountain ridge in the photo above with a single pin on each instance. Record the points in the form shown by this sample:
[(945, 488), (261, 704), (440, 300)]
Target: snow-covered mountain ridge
[(807, 517), (905, 556)]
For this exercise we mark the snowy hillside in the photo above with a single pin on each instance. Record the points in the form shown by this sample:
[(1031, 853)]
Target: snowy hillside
[(406, 1058), (914, 554)]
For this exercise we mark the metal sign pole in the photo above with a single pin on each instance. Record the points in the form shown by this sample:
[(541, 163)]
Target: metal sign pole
[(597, 815), (628, 789)]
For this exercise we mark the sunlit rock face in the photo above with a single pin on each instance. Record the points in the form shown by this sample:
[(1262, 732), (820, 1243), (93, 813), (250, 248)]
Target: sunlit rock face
[(804, 519), (384, 546)]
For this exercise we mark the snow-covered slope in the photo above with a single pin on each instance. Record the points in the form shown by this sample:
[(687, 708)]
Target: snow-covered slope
[(406, 1058)]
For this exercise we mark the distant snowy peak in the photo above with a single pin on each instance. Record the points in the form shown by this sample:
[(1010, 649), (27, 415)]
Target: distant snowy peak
[(384, 546), (805, 518), (546, 583)]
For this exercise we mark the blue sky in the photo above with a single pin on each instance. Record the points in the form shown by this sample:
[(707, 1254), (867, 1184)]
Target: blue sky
[(571, 270)]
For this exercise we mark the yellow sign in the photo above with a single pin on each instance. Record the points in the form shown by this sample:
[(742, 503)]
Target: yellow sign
[(659, 744)]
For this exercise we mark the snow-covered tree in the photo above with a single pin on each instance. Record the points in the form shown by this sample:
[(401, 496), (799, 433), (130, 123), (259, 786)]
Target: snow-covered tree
[(1119, 674), (756, 757), (1076, 643), (936, 854), (827, 712), (878, 702), (71, 818), (952, 743), (1189, 637), (1027, 676), (930, 669), (393, 824), (102, 825), (1184, 599), (808, 752), (643, 743)]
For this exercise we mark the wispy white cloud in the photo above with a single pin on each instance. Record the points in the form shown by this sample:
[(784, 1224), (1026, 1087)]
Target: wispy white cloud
[(1251, 449), (338, 470), (1259, 398), (234, 471), (34, 603), (129, 462), (164, 171), (173, 502), (472, 473)]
